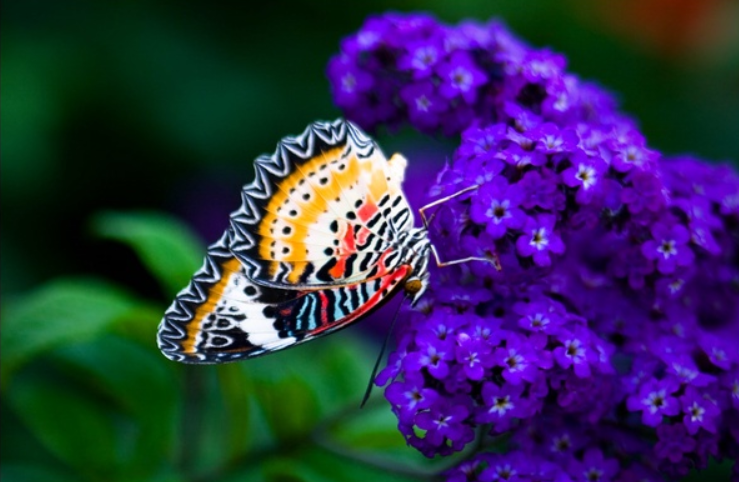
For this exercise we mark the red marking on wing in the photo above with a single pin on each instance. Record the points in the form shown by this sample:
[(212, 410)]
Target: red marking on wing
[(398, 275), (347, 244), (362, 235), (367, 211), (346, 248), (324, 307)]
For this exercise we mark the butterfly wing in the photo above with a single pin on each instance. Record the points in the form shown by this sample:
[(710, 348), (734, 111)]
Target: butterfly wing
[(223, 316), (324, 210)]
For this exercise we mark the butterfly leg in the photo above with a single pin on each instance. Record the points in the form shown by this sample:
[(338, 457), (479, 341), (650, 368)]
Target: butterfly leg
[(427, 221), (494, 260), (422, 210)]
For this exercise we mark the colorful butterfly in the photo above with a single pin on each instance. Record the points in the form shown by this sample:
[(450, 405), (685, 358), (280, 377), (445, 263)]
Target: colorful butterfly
[(323, 237)]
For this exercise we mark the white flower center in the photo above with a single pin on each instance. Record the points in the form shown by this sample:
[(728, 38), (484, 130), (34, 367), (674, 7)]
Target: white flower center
[(655, 401), (461, 78), (424, 57), (587, 175), (423, 103), (667, 248), (539, 238), (499, 210), (348, 83), (561, 444), (501, 405), (515, 361), (696, 412)]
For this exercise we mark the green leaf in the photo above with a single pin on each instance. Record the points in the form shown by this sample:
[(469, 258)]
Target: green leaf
[(63, 311), (141, 385), (69, 424), (32, 473), (331, 466), (372, 435), (168, 249)]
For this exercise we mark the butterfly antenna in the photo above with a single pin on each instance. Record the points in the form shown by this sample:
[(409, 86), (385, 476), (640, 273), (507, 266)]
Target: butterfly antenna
[(380, 357)]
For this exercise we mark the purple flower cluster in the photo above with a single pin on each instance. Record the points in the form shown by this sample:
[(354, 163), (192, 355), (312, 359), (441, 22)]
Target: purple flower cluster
[(603, 344)]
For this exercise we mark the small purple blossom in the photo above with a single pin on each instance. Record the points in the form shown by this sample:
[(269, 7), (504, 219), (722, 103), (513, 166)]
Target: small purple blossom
[(539, 239), (584, 175), (655, 400), (497, 206), (433, 358), (517, 360), (445, 421), (700, 411), (668, 247), (421, 58), (501, 404), (550, 139), (539, 316), (594, 467), (424, 104), (474, 354), (674, 442), (574, 353), (460, 77), (410, 397)]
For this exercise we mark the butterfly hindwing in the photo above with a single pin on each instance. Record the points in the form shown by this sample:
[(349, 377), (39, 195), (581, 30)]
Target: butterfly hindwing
[(224, 316)]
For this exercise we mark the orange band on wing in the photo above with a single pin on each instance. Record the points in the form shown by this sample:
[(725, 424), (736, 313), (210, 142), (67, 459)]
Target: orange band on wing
[(214, 295)]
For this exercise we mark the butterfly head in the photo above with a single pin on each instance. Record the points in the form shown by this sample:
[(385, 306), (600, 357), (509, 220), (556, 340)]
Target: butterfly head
[(418, 249)]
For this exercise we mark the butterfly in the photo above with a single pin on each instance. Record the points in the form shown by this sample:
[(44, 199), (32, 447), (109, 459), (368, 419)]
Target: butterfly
[(324, 236)]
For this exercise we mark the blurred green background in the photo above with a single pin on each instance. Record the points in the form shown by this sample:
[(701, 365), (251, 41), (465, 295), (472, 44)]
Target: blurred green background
[(127, 130)]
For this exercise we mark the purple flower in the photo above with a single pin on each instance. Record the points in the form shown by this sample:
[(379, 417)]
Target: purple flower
[(520, 157), (349, 82), (474, 354), (630, 152), (421, 57), (539, 239), (722, 353), (673, 443), (539, 316), (574, 352), (594, 467), (424, 104), (445, 421), (654, 399), (645, 192), (501, 404), (497, 207), (630, 263), (517, 360), (540, 189), (584, 175), (431, 356), (551, 140), (668, 247), (460, 77), (501, 468), (700, 411), (732, 383), (410, 397)]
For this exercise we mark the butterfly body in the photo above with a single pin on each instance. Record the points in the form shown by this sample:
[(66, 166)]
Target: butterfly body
[(324, 236)]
